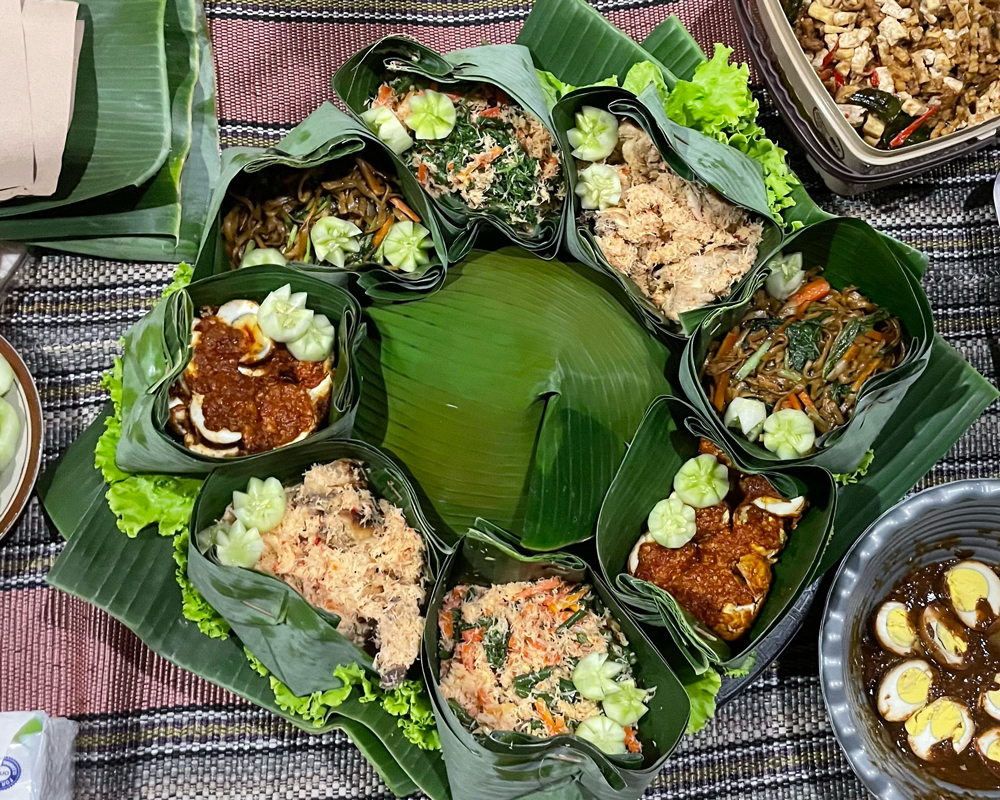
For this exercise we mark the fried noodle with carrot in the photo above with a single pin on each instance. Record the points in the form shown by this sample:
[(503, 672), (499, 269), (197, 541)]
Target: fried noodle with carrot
[(812, 352), (277, 208)]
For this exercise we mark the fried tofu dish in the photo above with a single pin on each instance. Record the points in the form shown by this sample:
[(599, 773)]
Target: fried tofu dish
[(722, 574), (355, 556), (681, 243)]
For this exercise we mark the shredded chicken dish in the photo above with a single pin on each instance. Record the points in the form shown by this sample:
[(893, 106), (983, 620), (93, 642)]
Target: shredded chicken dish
[(353, 555), (498, 157), (723, 575), (681, 243), (905, 71), (509, 651)]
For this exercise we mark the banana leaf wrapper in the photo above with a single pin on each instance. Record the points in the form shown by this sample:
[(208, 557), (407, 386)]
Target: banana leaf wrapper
[(297, 642), (505, 65), (667, 437), (692, 156), (133, 580), (157, 349), (515, 766), (852, 254), (120, 134), (328, 136)]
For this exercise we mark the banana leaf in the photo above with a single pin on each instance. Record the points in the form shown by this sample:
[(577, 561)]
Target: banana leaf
[(570, 39), (512, 766), (506, 66), (667, 437), (852, 254), (197, 179), (326, 136), (120, 132), (512, 391), (674, 47), (157, 349), (298, 643), (693, 157), (132, 579)]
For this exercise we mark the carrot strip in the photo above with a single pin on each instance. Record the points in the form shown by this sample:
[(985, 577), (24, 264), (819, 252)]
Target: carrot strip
[(552, 726), (793, 401), (422, 174), (812, 291), (727, 344), (851, 352), (865, 374), (446, 624), (719, 397), (632, 741), (491, 113), (542, 586), (470, 635), (384, 95), (407, 211), (807, 400), (381, 233)]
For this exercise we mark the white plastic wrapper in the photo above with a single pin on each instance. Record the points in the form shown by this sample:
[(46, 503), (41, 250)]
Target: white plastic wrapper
[(36, 756)]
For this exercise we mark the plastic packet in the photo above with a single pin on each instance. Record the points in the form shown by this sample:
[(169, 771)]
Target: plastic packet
[(36, 756)]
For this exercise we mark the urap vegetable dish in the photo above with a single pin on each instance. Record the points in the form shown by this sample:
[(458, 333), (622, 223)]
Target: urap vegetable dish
[(472, 144), (681, 243), (260, 376), (713, 542), (791, 370), (542, 658), (344, 213), (905, 71), (344, 550)]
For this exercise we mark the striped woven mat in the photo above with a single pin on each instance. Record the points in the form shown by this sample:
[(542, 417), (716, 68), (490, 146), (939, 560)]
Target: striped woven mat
[(150, 730)]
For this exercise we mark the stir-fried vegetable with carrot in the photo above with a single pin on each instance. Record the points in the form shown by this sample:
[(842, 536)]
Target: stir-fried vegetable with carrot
[(542, 658), (338, 213), (473, 145), (810, 350)]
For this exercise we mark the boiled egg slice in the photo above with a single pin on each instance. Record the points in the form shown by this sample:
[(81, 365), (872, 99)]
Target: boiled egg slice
[(944, 637), (780, 507), (242, 315), (894, 630), (944, 720), (904, 689), (633, 557), (990, 699), (224, 436), (974, 592), (988, 746)]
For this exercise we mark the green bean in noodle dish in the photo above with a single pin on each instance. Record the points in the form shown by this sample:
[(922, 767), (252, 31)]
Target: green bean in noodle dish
[(791, 370)]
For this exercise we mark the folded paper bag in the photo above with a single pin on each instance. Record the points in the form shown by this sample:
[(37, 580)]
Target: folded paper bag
[(36, 756)]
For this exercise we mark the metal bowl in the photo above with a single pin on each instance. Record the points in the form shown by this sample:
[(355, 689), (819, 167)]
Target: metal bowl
[(924, 529)]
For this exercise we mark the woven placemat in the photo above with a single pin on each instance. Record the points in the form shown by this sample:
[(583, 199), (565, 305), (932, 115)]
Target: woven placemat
[(150, 730)]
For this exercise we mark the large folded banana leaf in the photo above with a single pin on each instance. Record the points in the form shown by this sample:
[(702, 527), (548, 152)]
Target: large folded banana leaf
[(120, 132), (511, 766), (667, 437), (506, 66), (153, 208), (197, 178), (570, 39), (511, 392), (327, 136), (693, 157), (157, 349), (851, 254), (133, 580)]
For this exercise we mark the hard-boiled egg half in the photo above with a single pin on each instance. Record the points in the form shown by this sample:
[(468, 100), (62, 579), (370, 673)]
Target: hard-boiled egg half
[(944, 720), (990, 698), (904, 689), (988, 746), (974, 593), (894, 630), (944, 637)]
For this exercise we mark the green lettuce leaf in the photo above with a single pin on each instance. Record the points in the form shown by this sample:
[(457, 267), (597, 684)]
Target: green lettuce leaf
[(717, 101), (194, 606), (643, 73), (702, 691), (555, 89), (847, 478)]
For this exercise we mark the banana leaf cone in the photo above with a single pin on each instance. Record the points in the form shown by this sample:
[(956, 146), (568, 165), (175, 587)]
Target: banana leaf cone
[(517, 766), (693, 157), (327, 136), (298, 643), (506, 66), (667, 437), (851, 254), (157, 349)]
